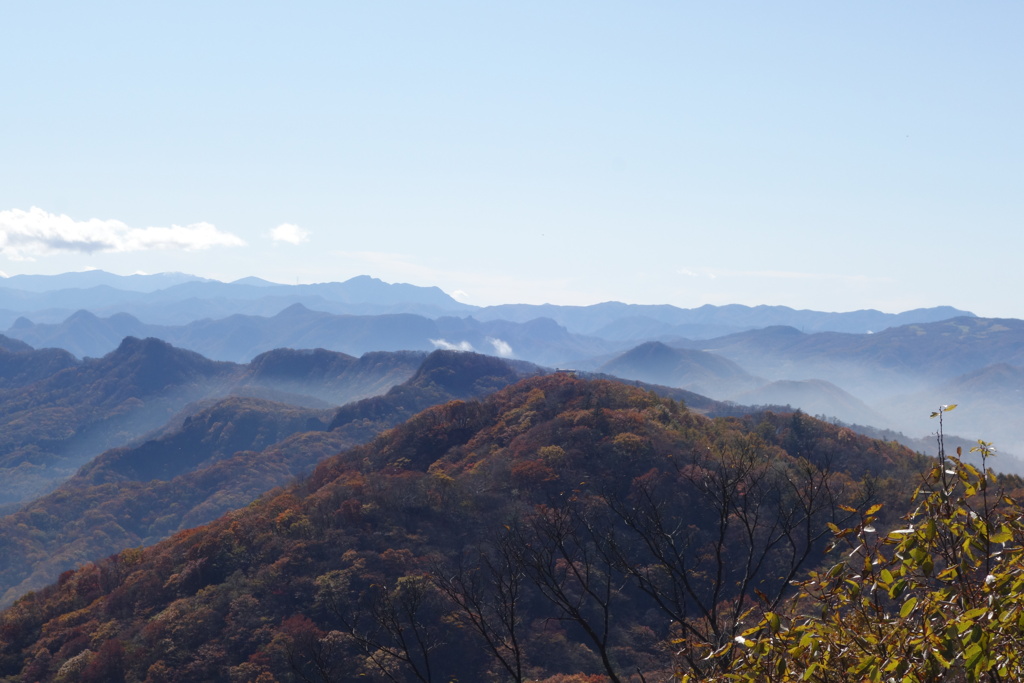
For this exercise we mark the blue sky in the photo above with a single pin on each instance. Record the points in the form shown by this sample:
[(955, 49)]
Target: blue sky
[(833, 156)]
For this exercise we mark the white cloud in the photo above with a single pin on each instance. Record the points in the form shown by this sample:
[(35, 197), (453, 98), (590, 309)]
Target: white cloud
[(501, 347), (459, 295), (290, 233), (448, 346), (25, 234)]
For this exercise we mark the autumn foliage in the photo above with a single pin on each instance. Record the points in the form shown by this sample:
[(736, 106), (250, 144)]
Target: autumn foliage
[(560, 530), (940, 597)]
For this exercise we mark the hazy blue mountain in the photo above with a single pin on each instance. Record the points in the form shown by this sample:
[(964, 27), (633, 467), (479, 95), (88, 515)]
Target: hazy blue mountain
[(990, 402), (100, 296), (706, 321), (699, 371), (82, 333), (634, 328), (175, 298), (871, 355), (814, 397), (904, 373), (9, 317), (239, 338), (184, 311), (899, 359), (94, 278), (361, 289), (254, 282)]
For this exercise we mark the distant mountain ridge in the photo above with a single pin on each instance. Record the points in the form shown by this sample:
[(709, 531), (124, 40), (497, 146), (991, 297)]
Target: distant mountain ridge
[(239, 338), (868, 357), (605, 319), (893, 379), (176, 299), (94, 278), (908, 353), (816, 397)]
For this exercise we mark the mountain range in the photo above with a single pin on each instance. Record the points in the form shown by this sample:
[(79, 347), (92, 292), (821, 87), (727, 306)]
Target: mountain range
[(177, 299), (863, 367)]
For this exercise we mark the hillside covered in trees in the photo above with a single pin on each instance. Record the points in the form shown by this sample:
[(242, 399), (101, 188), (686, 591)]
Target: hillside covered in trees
[(559, 530), (223, 454), (57, 412)]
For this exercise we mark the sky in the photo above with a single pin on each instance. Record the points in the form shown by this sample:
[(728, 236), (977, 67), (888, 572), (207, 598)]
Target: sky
[(831, 156)]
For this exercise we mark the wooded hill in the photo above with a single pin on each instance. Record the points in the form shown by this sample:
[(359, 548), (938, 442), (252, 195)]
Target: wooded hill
[(58, 412), (212, 460), (556, 530)]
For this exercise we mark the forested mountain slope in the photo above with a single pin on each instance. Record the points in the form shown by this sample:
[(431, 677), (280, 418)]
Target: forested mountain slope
[(20, 364), (58, 412), (560, 526), (220, 458), (48, 428)]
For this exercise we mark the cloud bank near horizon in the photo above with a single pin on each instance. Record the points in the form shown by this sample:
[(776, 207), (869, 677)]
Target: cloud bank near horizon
[(25, 235)]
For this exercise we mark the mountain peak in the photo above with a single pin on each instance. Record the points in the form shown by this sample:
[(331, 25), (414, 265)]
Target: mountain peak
[(253, 281), (81, 316), (462, 373), (135, 345), (296, 310)]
